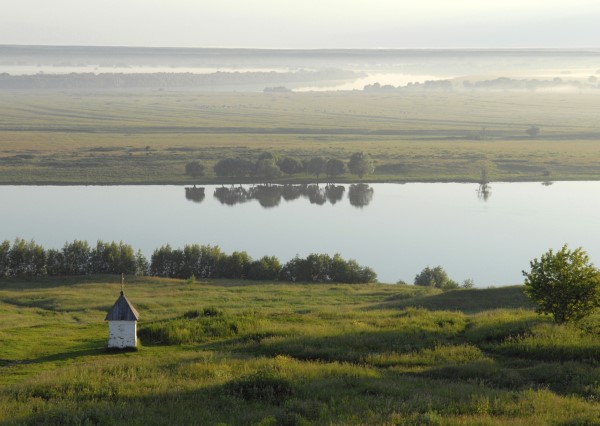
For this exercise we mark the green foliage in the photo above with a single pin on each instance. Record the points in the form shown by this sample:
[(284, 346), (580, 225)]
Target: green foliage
[(435, 277), (24, 259), (235, 265), (261, 387), (361, 164), (194, 326), (233, 167), (316, 166), (266, 169), (267, 268), (290, 165), (321, 268), (334, 167), (565, 285), (195, 169)]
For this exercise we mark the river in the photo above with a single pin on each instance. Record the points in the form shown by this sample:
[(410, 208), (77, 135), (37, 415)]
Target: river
[(397, 229)]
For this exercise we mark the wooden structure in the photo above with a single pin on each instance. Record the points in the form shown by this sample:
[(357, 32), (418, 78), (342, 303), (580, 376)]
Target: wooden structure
[(122, 323)]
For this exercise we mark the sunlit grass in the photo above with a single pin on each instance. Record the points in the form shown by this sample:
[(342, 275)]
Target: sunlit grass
[(261, 353)]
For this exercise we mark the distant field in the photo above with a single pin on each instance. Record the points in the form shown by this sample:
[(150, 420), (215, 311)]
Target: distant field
[(148, 137), (274, 354)]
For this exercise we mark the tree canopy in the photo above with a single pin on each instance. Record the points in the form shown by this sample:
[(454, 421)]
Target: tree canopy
[(564, 284), (360, 164), (334, 167), (435, 277), (195, 169)]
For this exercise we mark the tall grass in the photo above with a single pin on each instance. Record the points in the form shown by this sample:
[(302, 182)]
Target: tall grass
[(223, 353)]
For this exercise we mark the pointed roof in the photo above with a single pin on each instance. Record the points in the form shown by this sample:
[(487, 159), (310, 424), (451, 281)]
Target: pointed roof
[(122, 310)]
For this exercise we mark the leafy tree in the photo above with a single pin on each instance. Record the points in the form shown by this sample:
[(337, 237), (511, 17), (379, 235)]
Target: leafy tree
[(113, 258), (563, 284), (361, 164), (290, 166), (267, 156), (26, 259), (316, 166), (54, 262), (334, 168), (166, 262), (435, 277), (233, 167), (533, 131), (267, 268), (76, 258), (235, 265), (267, 169), (195, 169), (5, 258), (141, 264)]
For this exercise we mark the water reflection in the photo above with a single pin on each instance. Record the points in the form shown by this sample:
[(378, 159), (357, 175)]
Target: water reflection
[(484, 192), (231, 196), (360, 195), (268, 196), (195, 194)]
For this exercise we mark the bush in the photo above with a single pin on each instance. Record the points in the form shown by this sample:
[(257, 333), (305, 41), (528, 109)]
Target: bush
[(435, 277), (195, 169), (565, 285)]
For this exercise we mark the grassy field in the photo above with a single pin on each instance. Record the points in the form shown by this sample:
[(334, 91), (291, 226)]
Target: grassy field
[(148, 137), (266, 354)]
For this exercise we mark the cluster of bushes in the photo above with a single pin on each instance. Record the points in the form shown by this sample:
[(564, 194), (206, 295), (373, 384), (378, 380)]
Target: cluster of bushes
[(204, 261), (28, 259), (268, 166), (437, 277)]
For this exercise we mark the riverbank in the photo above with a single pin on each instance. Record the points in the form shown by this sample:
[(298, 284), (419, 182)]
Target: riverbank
[(149, 137)]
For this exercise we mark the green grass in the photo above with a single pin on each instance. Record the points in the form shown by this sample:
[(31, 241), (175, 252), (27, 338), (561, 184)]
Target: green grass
[(224, 352), (148, 137)]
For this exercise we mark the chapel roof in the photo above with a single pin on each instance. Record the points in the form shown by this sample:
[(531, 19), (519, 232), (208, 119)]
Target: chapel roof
[(122, 310)]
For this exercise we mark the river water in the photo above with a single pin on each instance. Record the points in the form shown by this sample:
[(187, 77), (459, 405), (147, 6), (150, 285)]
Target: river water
[(397, 229)]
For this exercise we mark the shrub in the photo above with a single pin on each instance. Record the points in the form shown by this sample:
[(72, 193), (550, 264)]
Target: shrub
[(435, 277), (565, 285)]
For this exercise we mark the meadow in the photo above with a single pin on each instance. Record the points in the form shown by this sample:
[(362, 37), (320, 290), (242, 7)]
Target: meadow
[(230, 352), (147, 137)]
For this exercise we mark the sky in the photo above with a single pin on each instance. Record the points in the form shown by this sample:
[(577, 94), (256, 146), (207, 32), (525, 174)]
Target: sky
[(303, 23)]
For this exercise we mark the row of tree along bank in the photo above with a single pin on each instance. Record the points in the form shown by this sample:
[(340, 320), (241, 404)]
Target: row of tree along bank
[(28, 259), (269, 166)]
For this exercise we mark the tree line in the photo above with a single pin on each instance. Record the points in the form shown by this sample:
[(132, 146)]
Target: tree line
[(268, 166), (27, 259)]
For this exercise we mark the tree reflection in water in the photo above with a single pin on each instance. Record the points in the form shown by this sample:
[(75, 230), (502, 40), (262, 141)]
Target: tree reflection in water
[(334, 193), (195, 194), (484, 192), (360, 195), (267, 195), (231, 196), (316, 195)]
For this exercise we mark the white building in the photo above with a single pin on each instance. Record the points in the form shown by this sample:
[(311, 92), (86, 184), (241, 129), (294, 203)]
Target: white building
[(122, 324)]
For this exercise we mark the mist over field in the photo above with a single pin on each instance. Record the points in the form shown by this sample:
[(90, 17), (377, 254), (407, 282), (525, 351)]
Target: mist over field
[(39, 67)]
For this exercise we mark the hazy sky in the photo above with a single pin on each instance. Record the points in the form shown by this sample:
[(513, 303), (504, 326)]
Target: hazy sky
[(303, 23)]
